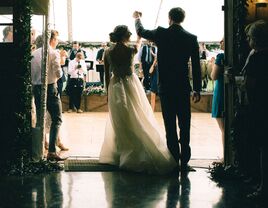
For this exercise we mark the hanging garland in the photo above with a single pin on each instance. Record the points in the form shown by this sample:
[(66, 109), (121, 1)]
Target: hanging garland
[(22, 25), (241, 48)]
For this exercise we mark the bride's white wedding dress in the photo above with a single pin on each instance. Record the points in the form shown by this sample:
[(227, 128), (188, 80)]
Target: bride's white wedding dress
[(132, 136)]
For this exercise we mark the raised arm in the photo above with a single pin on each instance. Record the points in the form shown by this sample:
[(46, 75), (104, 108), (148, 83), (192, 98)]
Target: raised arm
[(147, 34)]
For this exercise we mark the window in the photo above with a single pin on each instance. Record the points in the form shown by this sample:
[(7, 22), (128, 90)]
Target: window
[(6, 24)]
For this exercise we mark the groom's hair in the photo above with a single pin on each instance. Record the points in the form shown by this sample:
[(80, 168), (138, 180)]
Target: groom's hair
[(177, 14)]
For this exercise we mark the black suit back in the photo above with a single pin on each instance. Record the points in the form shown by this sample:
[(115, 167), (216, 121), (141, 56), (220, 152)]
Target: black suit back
[(175, 48)]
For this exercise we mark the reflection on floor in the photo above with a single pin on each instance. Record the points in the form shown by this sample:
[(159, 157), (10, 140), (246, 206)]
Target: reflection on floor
[(83, 134), (121, 190)]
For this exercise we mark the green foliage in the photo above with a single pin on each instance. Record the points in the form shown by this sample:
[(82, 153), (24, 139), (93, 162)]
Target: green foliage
[(22, 114), (68, 45), (220, 173), (240, 49), (28, 167), (212, 47)]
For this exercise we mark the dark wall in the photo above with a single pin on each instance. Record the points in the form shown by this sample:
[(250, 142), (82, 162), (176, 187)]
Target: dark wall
[(15, 90)]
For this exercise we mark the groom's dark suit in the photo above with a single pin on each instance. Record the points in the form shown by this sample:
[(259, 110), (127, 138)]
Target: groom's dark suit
[(175, 47)]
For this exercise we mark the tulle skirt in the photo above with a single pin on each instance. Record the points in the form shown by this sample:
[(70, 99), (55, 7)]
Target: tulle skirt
[(132, 137)]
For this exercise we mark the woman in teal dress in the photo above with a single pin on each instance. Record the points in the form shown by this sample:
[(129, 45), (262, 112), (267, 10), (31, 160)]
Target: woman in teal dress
[(218, 94)]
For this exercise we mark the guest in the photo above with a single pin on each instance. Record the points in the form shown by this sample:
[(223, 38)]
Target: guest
[(76, 49), (53, 101), (137, 67), (218, 93), (203, 51), (59, 143), (36, 84), (63, 78), (77, 68), (146, 58), (100, 60), (153, 79), (8, 34), (256, 78), (36, 69)]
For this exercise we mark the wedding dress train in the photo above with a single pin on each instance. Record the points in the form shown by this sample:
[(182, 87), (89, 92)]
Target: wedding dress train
[(132, 136)]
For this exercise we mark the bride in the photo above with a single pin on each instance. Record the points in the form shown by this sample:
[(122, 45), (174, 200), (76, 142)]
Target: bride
[(132, 139)]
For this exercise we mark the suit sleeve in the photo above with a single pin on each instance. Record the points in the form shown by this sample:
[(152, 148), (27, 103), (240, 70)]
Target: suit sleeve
[(147, 34), (99, 55), (196, 68)]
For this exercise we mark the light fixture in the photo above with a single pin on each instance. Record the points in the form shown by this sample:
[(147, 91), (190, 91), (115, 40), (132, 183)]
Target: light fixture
[(261, 3)]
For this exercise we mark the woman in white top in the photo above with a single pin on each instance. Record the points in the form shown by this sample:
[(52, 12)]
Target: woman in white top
[(77, 69)]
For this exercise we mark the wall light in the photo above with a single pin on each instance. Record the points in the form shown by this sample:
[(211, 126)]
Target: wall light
[(261, 3)]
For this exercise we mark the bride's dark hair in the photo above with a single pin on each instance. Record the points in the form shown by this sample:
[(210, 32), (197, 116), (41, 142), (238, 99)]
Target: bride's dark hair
[(120, 33)]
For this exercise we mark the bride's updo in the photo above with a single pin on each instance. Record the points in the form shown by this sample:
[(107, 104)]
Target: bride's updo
[(120, 34)]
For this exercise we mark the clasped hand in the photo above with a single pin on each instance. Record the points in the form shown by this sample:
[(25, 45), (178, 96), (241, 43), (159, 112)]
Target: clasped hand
[(137, 14)]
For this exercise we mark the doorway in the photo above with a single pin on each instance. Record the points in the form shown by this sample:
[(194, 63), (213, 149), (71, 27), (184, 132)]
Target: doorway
[(83, 133)]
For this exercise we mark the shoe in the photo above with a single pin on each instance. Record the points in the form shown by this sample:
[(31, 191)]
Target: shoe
[(256, 195), (175, 171), (52, 156), (79, 111), (46, 145), (70, 111), (62, 147), (187, 168)]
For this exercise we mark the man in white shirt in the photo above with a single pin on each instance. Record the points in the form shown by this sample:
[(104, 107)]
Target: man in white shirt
[(54, 106)]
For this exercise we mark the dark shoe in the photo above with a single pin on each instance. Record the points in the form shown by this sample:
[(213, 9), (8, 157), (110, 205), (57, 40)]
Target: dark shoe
[(175, 171), (62, 147), (52, 156), (187, 168), (256, 195)]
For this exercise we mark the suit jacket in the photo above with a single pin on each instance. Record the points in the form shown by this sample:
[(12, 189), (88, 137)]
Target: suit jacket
[(144, 54), (74, 52), (175, 47), (100, 54)]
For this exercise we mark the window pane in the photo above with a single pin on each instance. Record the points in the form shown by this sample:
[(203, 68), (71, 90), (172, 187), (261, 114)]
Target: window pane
[(6, 24), (6, 15)]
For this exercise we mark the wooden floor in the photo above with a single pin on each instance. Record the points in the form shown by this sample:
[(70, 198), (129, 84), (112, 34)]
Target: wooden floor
[(84, 133)]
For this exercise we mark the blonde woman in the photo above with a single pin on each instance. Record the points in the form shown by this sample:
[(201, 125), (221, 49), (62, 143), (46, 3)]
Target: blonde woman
[(218, 93)]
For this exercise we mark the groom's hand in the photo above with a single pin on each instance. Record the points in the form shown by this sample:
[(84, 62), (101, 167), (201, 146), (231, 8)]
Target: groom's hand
[(196, 97), (137, 15)]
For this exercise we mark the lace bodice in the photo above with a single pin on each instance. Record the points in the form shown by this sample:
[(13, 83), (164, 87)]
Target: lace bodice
[(119, 59)]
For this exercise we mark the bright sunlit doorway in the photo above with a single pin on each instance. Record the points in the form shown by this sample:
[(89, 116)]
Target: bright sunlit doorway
[(84, 133)]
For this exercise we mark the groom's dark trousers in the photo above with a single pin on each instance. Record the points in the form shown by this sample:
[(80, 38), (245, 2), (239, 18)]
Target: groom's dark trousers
[(176, 111), (175, 48)]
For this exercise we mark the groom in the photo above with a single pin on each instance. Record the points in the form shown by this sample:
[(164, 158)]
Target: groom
[(176, 47)]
